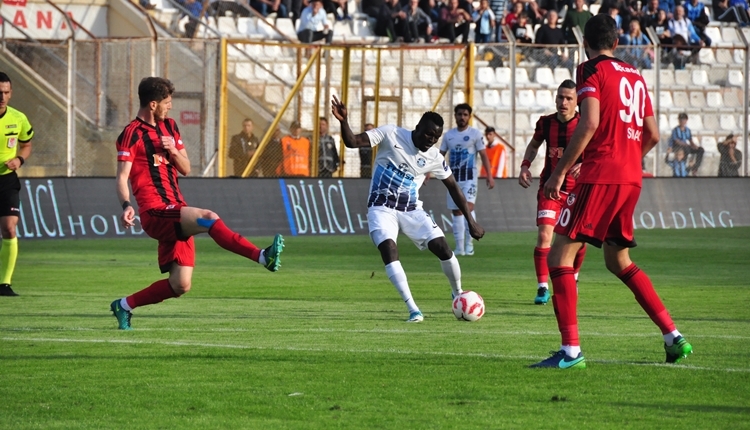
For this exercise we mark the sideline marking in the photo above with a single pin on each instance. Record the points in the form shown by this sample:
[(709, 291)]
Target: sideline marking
[(353, 351)]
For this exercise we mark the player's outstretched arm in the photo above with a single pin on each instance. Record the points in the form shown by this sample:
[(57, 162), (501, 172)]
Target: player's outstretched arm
[(457, 195), (524, 178), (351, 140)]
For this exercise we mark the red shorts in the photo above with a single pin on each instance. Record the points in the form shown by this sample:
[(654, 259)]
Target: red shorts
[(163, 224), (547, 210), (600, 213)]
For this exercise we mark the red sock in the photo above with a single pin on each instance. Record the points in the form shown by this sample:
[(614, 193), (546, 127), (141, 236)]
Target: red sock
[(578, 262), (232, 241), (154, 293), (540, 264), (564, 300), (644, 292)]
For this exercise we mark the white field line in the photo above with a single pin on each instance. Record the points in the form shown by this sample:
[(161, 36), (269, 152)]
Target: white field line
[(351, 351), (376, 331)]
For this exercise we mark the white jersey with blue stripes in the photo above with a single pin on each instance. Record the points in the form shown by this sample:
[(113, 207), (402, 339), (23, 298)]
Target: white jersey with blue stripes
[(462, 148), (400, 169)]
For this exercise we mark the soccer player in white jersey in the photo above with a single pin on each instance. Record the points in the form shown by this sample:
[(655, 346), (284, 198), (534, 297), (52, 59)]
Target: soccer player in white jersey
[(403, 159), (463, 143)]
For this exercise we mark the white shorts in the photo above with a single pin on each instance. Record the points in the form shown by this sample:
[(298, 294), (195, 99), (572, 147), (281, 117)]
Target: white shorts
[(418, 225), (469, 188)]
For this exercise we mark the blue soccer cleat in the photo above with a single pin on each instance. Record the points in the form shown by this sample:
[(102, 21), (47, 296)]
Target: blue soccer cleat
[(542, 296), (415, 317), (561, 360), (273, 254), (123, 316)]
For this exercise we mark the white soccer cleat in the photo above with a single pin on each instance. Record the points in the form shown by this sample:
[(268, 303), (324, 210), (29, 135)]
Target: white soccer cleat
[(415, 317), (458, 252), (470, 249)]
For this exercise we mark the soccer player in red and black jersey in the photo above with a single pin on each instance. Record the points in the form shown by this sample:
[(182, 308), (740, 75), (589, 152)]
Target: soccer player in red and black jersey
[(555, 129), (617, 127), (150, 154)]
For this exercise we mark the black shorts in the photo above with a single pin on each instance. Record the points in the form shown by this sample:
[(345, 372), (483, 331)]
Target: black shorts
[(9, 200)]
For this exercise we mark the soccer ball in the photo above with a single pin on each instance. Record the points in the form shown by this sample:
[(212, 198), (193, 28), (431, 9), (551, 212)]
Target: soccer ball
[(468, 306)]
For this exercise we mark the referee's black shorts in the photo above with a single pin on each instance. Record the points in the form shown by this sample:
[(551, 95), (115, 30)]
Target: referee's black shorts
[(10, 186)]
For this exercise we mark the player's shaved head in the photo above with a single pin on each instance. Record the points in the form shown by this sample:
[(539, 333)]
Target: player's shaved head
[(154, 89), (600, 33)]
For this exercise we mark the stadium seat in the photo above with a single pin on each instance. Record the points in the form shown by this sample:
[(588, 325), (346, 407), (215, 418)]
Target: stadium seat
[(706, 56), (502, 76), (274, 95), (421, 97), (342, 30), (235, 52), (459, 97), (272, 51), (308, 95), (735, 78), (545, 100), (739, 56), (648, 76), (696, 123), (226, 25), (700, 77), (561, 74), (545, 77), (435, 55), (714, 33), (723, 56), (681, 99), (486, 75), (665, 99), (526, 99), (305, 120), (663, 123), (666, 77), (594, 8), (732, 99), (710, 121), (522, 123), (673, 121), (491, 98), (284, 72), (728, 122), (714, 99), (729, 35), (254, 50), (388, 74), (502, 121), (245, 25), (263, 28), (428, 75), (682, 77), (243, 71), (261, 72), (505, 98), (522, 77), (697, 99), (709, 144)]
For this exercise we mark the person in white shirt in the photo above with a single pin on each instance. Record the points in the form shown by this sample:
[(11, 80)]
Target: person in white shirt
[(314, 25), (463, 144), (404, 158)]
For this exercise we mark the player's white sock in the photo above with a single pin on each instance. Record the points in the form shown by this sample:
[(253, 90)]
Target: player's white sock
[(458, 232), (398, 278), (468, 240), (576, 275), (669, 337), (452, 271), (124, 304), (262, 258), (571, 351), (543, 285)]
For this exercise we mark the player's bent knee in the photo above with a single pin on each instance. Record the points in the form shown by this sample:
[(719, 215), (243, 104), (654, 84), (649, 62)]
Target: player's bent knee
[(180, 287)]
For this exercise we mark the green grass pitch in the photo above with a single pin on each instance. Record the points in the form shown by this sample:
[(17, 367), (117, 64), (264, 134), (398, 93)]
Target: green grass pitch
[(323, 343)]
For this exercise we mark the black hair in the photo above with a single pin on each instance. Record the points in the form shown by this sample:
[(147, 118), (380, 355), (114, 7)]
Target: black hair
[(432, 117), (462, 106), (600, 32), (4, 78), (569, 84), (154, 89)]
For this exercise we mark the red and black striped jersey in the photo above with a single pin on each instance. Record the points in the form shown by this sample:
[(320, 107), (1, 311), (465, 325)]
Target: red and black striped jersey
[(557, 135), (152, 177), (613, 155)]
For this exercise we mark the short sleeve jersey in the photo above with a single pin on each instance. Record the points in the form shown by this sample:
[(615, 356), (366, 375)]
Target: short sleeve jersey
[(400, 169), (462, 148), (613, 156), (152, 177), (16, 130), (556, 134)]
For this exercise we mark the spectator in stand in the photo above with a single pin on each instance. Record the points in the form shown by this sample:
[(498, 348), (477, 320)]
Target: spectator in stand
[(430, 8), (365, 157), (485, 22), (549, 34), (668, 7), (719, 7), (314, 25), (328, 155), (242, 148), (677, 160), (650, 14), (661, 28), (695, 11), (681, 26), (682, 138), (534, 12), (333, 6), (614, 12), (737, 11), (500, 9), (511, 18), (731, 157), (639, 57), (195, 10), (296, 151), (419, 23), (454, 21), (266, 7), (575, 18), (371, 7), (392, 22), (520, 31)]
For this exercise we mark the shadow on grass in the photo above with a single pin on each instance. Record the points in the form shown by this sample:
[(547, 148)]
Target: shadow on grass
[(687, 408)]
